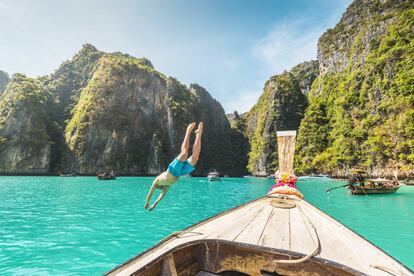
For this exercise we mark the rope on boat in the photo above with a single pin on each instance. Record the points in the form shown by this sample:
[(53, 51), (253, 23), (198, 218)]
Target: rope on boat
[(283, 203), (177, 233), (388, 270), (310, 255)]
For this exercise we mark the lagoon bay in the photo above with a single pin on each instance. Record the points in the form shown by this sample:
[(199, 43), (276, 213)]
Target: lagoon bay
[(82, 226)]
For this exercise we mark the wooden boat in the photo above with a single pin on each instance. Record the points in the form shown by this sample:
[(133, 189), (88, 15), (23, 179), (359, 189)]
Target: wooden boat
[(106, 177), (273, 235), (358, 190), (213, 176), (375, 186), (268, 236)]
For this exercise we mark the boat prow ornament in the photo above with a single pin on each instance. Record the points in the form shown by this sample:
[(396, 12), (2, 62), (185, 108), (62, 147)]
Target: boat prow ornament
[(284, 176)]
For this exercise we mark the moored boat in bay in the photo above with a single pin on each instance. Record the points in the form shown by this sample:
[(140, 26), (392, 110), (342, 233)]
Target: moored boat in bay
[(358, 185), (213, 176), (106, 175), (385, 189)]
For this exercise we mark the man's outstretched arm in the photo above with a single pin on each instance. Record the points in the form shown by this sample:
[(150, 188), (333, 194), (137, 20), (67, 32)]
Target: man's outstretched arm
[(150, 193), (160, 197)]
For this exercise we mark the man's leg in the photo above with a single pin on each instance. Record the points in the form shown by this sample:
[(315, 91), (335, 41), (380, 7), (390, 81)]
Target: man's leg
[(186, 143), (151, 192), (197, 145), (160, 197)]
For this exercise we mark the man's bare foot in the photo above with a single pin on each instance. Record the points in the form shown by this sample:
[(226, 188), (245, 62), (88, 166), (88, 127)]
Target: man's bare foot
[(200, 128), (191, 127)]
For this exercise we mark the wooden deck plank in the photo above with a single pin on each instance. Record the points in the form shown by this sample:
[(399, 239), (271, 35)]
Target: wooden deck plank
[(301, 239), (276, 233), (253, 231), (340, 244), (231, 225)]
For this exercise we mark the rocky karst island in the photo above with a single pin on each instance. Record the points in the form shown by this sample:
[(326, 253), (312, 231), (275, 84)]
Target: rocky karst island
[(353, 108)]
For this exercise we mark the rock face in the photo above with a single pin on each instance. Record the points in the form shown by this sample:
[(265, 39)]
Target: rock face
[(103, 111), (4, 80), (68, 80), (280, 107), (361, 107), (25, 127)]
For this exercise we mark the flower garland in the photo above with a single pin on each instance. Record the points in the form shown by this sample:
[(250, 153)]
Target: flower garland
[(285, 184)]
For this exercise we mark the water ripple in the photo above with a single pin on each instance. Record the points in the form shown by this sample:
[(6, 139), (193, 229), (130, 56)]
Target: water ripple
[(82, 226)]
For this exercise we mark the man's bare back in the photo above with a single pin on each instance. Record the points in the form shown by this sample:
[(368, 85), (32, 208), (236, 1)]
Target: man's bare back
[(178, 167)]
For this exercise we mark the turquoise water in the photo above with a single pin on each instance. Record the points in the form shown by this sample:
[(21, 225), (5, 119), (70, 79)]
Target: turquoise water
[(82, 226)]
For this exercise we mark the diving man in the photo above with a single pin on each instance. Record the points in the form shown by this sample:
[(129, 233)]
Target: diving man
[(178, 167)]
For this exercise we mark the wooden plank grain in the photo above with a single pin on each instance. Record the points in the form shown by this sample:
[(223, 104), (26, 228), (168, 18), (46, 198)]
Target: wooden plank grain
[(231, 225), (277, 233), (253, 231), (302, 236), (343, 246)]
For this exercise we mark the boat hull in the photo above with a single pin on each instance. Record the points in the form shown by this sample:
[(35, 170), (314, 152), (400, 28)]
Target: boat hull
[(270, 234), (220, 256), (106, 177), (364, 191)]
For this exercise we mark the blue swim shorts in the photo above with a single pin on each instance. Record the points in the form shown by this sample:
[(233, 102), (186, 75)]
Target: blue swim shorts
[(179, 168)]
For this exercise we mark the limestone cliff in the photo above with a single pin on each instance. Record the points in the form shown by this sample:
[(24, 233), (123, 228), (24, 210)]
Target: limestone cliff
[(280, 107), (100, 111), (67, 81), (25, 127), (361, 111), (132, 118)]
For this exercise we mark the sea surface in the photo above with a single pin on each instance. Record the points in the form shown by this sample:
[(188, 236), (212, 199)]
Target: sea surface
[(83, 226)]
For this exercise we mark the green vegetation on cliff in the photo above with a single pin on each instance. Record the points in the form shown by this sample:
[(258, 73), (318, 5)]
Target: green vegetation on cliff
[(361, 111), (67, 81), (107, 116), (132, 118), (26, 126), (280, 107), (109, 110)]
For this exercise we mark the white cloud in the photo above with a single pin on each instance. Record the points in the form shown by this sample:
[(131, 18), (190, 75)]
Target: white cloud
[(243, 101), (285, 46)]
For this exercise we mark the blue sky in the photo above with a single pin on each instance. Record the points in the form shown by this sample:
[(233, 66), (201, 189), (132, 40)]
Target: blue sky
[(229, 47)]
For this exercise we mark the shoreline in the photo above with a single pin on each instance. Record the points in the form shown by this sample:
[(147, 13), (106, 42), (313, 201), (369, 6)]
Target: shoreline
[(336, 178)]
